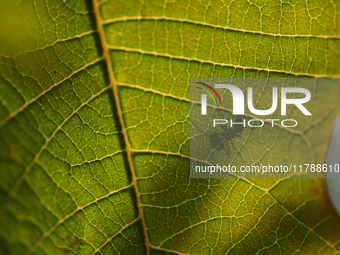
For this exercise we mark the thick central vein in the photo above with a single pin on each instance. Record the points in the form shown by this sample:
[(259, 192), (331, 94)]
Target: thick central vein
[(114, 85)]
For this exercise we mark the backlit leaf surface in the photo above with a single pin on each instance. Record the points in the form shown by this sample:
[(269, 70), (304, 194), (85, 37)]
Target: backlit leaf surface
[(94, 127)]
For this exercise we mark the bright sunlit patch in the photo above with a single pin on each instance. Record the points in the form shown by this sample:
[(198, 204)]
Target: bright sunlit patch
[(333, 155)]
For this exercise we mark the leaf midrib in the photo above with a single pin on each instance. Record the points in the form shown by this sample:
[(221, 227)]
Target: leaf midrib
[(114, 85)]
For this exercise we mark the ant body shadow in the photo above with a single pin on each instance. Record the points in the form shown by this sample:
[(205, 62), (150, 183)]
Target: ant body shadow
[(221, 137)]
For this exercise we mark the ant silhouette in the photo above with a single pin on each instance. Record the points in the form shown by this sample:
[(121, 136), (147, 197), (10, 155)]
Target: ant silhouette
[(221, 137)]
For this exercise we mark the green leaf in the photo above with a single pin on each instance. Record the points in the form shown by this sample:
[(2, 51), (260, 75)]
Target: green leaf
[(94, 127)]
